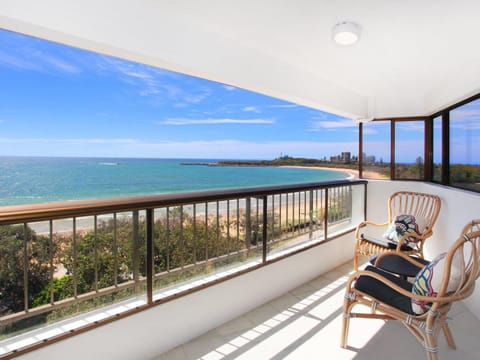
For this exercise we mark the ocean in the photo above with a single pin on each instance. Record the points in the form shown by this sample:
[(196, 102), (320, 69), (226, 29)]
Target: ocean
[(28, 180)]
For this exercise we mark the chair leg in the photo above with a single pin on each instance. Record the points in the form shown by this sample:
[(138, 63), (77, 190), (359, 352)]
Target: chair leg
[(448, 336), (344, 338), (431, 347), (345, 323), (356, 255)]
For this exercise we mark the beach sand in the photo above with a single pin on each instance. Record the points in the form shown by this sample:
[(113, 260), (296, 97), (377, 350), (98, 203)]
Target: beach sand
[(353, 173)]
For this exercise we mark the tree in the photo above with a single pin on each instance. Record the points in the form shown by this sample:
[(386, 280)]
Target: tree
[(14, 241), (420, 167)]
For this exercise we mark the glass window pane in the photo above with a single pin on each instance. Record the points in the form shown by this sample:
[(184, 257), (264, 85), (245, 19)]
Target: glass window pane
[(376, 150), (465, 146), (409, 149), (437, 149)]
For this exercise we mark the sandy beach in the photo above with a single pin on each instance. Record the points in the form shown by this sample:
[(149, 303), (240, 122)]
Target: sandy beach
[(353, 173)]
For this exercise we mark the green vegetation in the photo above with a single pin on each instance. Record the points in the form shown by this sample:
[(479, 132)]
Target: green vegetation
[(290, 161), (461, 175), (465, 176), (14, 251)]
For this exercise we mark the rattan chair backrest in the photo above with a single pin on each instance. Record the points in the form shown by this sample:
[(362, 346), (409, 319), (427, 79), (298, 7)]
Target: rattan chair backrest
[(417, 204)]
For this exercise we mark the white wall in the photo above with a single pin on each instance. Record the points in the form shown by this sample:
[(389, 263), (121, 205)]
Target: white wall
[(151, 332), (458, 208)]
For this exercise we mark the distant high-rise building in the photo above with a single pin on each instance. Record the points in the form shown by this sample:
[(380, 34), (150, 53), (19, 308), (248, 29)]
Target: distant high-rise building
[(370, 160), (346, 157)]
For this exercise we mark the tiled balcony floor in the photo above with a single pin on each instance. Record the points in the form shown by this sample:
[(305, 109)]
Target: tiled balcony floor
[(305, 324)]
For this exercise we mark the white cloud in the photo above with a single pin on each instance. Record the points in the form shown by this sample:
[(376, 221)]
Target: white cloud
[(155, 83), (267, 150), (179, 105), (22, 52), (250, 109), (235, 149), (38, 61), (332, 124), (370, 131), (229, 88), (58, 64), (198, 97), (144, 77), (84, 141), (18, 63), (417, 126), (284, 106), (215, 121), (465, 124), (230, 149), (467, 112)]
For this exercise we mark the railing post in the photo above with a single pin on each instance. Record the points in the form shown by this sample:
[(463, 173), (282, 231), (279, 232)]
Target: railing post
[(365, 201), (25, 267), (195, 234), (264, 229), (206, 236), (310, 214), (115, 251), (350, 202), (248, 222), (167, 237), (50, 256), (181, 240), (150, 273), (74, 254), (95, 253), (135, 251), (325, 219), (217, 248)]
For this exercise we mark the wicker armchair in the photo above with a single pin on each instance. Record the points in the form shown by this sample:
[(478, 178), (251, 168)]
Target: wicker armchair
[(420, 207), (393, 298)]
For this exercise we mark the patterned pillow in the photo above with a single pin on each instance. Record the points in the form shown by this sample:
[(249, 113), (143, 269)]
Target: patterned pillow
[(391, 233), (405, 224), (429, 279)]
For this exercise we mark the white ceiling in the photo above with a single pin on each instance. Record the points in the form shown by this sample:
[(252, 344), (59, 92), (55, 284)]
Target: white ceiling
[(414, 57)]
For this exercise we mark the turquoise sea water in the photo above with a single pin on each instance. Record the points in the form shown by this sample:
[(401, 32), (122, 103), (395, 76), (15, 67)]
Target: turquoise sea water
[(25, 180)]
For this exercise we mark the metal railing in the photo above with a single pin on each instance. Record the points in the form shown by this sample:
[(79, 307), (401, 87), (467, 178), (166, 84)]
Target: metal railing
[(59, 260)]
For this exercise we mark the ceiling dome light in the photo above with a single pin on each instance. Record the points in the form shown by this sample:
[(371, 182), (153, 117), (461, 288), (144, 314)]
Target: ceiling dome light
[(346, 33)]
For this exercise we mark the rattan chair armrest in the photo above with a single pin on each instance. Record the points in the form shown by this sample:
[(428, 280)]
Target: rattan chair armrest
[(399, 254), (379, 277), (367, 223), (426, 234)]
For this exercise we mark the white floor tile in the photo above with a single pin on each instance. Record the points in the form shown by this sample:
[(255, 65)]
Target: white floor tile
[(305, 324)]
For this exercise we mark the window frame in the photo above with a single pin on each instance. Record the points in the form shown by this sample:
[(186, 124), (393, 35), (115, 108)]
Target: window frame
[(444, 114)]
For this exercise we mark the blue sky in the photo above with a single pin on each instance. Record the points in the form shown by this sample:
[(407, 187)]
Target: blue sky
[(465, 133), (61, 101)]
